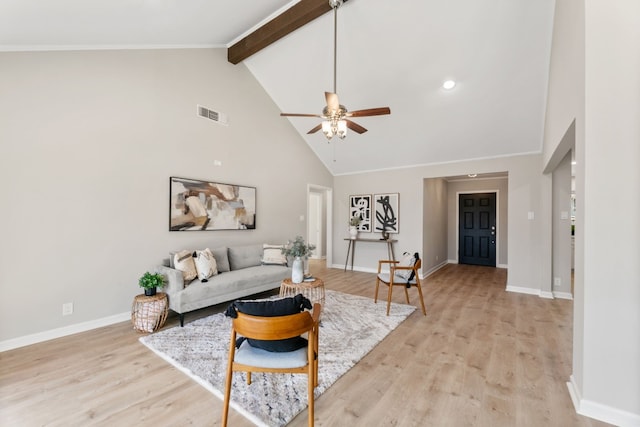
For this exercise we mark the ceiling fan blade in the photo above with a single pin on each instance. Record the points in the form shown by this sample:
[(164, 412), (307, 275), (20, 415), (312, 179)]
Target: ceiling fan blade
[(369, 112), (299, 115), (355, 127), (315, 129), (333, 104)]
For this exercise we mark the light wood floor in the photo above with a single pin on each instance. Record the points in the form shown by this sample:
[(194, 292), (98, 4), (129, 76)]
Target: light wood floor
[(481, 357)]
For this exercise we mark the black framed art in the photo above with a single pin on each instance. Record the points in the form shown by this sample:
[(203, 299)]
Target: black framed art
[(360, 206), (387, 216)]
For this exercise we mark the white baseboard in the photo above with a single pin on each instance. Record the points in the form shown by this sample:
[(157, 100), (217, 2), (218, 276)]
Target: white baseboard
[(355, 268), (502, 266), (63, 332), (600, 412), (434, 269), (540, 293), (375, 270), (546, 294), (523, 290), (563, 295)]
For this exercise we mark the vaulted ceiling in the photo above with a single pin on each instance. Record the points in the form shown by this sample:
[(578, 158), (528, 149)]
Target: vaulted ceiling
[(390, 53)]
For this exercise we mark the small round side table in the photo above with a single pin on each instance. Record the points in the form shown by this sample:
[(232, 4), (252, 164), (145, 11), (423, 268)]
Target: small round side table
[(148, 313), (313, 290)]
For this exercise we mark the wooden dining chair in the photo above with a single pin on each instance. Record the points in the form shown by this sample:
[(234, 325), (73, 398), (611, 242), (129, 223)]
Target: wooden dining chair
[(252, 359), (395, 278)]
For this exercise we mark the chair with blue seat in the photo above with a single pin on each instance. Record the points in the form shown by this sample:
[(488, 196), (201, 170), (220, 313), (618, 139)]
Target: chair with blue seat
[(247, 358), (404, 274)]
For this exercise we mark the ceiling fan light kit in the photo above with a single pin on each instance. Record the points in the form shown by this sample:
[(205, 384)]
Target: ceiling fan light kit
[(335, 115)]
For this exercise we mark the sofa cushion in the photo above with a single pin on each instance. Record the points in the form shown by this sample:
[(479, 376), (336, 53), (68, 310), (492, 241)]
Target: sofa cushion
[(245, 256), (272, 308), (205, 264), (183, 261), (222, 259), (272, 255)]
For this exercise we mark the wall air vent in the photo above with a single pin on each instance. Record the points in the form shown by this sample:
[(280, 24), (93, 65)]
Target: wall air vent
[(215, 116)]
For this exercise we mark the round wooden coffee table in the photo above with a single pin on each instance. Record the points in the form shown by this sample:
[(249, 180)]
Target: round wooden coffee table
[(314, 290)]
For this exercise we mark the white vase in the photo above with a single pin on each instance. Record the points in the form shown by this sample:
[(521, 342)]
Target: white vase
[(353, 231), (297, 270)]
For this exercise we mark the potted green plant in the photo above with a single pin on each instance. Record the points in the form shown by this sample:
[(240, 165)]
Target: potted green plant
[(298, 250), (149, 282)]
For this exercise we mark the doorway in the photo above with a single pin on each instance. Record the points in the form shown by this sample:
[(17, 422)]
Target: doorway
[(477, 233), (319, 220)]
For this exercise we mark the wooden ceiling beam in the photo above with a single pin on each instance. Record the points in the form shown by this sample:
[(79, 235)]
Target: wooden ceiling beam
[(290, 20)]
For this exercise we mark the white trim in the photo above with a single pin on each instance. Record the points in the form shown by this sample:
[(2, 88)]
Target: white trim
[(523, 290), (452, 261), (574, 392), (434, 269), (63, 332), (448, 162), (355, 268), (328, 207), (502, 266), (82, 47), (538, 292), (598, 411), (546, 294), (563, 295)]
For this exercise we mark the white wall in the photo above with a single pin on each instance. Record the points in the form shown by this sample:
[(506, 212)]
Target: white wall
[(435, 219), (527, 192), (611, 374), (562, 227), (88, 141), (594, 104), (497, 185)]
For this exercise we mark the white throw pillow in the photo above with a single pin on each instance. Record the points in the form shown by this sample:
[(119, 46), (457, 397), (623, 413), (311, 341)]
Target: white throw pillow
[(183, 261), (272, 255), (407, 260), (206, 265)]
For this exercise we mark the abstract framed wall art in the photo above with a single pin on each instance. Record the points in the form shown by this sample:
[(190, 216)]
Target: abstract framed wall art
[(360, 206), (203, 205), (386, 207)]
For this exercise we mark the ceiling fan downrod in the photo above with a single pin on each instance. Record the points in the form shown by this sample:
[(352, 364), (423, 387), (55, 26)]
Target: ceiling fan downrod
[(335, 4)]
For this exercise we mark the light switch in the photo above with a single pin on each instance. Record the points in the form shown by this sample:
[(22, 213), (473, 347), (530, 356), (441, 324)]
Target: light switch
[(530, 215), (301, 217), (564, 215)]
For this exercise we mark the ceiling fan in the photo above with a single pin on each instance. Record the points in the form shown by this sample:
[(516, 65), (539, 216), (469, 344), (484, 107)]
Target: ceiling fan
[(335, 115)]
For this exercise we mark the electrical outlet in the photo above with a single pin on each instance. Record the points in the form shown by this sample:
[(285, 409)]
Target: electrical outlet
[(557, 282), (67, 309), (437, 257)]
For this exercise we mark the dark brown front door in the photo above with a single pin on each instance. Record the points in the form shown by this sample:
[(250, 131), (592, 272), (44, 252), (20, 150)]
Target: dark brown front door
[(477, 229)]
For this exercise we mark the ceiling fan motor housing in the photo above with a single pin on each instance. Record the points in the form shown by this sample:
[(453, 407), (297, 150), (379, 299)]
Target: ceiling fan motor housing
[(338, 114)]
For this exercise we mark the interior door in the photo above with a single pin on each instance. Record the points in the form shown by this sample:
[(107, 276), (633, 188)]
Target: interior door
[(477, 229)]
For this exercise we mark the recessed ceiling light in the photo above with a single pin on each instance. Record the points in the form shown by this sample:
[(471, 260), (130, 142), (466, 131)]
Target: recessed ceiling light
[(472, 175), (449, 84)]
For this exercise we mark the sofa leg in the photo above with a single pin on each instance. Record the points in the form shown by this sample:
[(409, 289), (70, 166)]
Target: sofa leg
[(181, 320)]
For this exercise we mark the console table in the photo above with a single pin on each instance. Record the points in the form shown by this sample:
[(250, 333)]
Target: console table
[(352, 248)]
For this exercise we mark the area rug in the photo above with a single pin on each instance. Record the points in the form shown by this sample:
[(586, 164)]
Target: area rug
[(350, 327)]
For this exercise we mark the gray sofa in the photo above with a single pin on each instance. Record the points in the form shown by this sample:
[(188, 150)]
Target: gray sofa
[(240, 273)]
